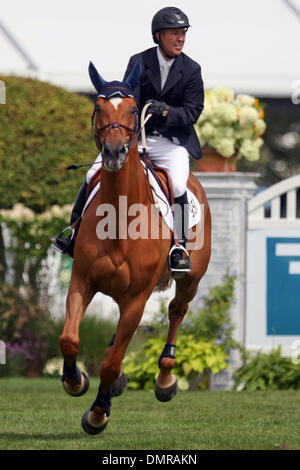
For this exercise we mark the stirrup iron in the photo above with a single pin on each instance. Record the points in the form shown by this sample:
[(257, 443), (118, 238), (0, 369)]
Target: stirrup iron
[(72, 235), (178, 270)]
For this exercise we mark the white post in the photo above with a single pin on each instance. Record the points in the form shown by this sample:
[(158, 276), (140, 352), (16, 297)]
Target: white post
[(228, 195)]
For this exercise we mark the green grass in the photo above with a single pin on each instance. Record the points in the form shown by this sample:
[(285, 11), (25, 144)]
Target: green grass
[(38, 414)]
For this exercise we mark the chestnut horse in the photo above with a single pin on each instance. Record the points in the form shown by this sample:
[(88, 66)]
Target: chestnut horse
[(128, 269)]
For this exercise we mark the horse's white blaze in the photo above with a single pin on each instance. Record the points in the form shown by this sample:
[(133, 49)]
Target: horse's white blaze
[(115, 102)]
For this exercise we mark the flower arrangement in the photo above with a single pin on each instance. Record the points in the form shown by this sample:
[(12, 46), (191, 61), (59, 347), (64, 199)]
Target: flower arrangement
[(232, 125)]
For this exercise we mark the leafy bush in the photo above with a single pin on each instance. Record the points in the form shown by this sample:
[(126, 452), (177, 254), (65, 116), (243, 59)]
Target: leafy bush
[(192, 357), (25, 327), (95, 333), (31, 336), (211, 322), (203, 342), (264, 371), (43, 129), (28, 244)]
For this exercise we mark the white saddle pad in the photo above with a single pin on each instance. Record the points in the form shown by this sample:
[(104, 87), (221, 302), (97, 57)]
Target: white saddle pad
[(162, 204)]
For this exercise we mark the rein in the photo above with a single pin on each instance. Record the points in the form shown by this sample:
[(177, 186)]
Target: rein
[(115, 125)]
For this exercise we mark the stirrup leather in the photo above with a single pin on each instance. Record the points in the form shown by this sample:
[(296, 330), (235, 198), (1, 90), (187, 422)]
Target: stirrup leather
[(176, 270)]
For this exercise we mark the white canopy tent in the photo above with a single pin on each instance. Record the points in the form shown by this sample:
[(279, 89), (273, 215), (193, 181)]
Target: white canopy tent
[(250, 46)]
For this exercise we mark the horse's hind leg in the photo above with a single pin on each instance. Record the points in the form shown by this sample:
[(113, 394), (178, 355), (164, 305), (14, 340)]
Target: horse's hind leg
[(166, 382), (74, 382)]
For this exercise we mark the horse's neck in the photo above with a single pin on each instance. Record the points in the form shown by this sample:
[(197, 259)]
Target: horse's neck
[(129, 182)]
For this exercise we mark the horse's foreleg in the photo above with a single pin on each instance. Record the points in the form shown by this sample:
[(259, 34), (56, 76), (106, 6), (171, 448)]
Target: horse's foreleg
[(75, 383), (94, 420)]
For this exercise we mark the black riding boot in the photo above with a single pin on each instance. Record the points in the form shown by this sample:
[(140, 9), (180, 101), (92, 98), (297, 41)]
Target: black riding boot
[(179, 259), (63, 243)]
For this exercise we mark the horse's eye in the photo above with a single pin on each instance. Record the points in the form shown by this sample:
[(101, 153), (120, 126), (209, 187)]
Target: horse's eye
[(97, 108), (134, 110)]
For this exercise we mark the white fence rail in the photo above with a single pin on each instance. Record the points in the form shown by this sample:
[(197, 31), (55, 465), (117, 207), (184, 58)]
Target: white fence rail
[(271, 199)]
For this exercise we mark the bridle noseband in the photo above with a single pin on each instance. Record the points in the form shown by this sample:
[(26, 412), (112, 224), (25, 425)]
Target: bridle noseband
[(115, 125)]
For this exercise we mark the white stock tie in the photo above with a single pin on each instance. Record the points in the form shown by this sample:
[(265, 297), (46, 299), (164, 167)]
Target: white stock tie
[(164, 71)]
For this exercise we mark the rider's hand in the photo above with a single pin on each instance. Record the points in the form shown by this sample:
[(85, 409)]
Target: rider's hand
[(158, 108)]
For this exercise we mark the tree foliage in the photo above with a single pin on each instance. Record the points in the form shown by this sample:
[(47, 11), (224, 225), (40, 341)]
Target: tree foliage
[(43, 129)]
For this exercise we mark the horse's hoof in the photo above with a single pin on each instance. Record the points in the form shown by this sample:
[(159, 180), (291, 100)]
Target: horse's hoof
[(119, 385), (84, 388), (89, 428), (166, 394)]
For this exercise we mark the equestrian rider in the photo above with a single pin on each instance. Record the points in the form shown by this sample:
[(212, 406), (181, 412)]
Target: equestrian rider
[(172, 82)]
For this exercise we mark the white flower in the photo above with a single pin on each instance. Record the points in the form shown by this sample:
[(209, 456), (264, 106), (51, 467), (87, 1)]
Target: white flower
[(27, 215), (225, 147), (208, 130), (57, 211), (249, 150), (67, 210), (224, 113), (46, 216), (259, 127), (20, 214), (223, 94), (244, 133), (244, 100), (225, 131), (247, 116), (229, 122)]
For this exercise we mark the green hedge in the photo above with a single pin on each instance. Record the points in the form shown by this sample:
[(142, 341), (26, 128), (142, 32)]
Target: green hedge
[(43, 129)]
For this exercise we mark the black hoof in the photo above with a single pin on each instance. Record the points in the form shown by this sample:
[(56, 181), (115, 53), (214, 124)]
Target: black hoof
[(166, 394), (84, 388), (119, 385), (89, 428)]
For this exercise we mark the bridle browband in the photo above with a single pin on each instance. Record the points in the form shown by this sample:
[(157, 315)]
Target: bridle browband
[(114, 125)]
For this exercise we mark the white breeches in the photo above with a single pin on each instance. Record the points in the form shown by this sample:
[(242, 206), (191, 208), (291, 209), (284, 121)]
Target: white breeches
[(165, 154)]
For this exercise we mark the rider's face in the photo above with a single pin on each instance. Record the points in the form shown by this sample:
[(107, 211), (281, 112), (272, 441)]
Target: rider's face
[(172, 40)]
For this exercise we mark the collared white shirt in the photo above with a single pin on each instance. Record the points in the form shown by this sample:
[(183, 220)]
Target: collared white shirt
[(164, 66)]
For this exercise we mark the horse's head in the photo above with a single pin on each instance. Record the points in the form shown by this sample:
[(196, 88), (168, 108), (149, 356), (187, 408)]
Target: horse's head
[(115, 117)]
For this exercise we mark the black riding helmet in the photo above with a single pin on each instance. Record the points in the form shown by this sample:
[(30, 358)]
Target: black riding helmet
[(168, 18)]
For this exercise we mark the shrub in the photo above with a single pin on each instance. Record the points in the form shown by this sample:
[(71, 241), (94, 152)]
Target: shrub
[(43, 129), (264, 371), (211, 322), (193, 357), (95, 333), (25, 327), (203, 342)]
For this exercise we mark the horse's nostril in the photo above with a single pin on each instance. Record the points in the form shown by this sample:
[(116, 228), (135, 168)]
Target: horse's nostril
[(122, 149), (113, 151)]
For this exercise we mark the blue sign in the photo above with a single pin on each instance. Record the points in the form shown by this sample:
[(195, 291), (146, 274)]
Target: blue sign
[(283, 286)]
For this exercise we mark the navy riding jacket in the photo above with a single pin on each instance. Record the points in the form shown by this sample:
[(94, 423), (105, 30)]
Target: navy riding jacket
[(183, 92)]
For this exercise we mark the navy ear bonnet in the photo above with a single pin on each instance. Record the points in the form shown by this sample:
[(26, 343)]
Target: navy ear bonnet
[(115, 88)]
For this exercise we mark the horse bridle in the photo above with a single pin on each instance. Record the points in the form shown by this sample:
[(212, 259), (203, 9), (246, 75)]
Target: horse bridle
[(115, 125)]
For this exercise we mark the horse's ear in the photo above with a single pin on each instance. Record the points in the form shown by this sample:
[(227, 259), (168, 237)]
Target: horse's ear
[(96, 78), (133, 79)]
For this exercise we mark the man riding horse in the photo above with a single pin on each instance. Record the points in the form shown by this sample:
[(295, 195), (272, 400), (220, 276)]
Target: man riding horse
[(172, 82)]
